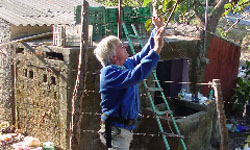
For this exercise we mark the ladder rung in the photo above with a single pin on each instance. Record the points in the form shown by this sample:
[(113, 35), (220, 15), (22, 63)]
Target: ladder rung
[(161, 113), (154, 89), (172, 135), (132, 36)]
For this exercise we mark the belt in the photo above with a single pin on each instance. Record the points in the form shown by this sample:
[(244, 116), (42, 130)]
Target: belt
[(107, 123), (128, 122)]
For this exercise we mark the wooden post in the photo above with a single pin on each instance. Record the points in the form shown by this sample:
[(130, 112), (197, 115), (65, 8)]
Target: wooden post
[(221, 114), (76, 118)]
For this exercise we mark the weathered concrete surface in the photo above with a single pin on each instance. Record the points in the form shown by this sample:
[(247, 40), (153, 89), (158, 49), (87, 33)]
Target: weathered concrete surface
[(197, 128), (6, 75), (190, 49), (177, 47)]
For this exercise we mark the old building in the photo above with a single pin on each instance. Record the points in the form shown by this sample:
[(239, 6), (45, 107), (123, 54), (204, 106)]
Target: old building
[(34, 74), (20, 19)]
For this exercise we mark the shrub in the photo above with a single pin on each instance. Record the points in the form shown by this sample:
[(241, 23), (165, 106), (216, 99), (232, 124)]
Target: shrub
[(241, 95)]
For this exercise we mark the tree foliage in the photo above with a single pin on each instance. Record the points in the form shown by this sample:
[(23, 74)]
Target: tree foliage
[(188, 11), (236, 6), (241, 95), (193, 11)]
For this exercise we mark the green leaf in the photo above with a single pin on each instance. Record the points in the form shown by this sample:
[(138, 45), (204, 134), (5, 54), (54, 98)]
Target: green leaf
[(240, 81), (170, 4), (228, 6), (241, 2), (146, 2), (236, 10), (242, 92), (183, 8), (248, 63), (225, 13), (165, 5), (148, 24)]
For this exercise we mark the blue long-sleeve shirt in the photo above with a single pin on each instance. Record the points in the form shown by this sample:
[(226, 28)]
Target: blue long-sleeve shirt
[(119, 85)]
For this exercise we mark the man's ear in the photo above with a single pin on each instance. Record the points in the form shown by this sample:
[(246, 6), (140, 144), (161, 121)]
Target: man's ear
[(113, 59)]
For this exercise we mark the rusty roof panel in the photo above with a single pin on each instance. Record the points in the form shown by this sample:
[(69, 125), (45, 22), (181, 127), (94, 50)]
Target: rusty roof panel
[(40, 12)]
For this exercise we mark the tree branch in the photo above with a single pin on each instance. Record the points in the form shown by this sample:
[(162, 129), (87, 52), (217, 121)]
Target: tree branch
[(171, 14), (237, 21), (2, 52)]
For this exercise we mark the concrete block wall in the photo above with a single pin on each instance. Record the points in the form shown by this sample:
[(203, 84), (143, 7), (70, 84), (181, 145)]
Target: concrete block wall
[(195, 125), (6, 75), (190, 49), (176, 48), (44, 80)]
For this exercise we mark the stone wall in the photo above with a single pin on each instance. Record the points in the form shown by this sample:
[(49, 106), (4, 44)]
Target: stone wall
[(44, 80), (6, 74)]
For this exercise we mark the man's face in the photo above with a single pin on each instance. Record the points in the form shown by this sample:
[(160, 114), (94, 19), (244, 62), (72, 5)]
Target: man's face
[(121, 53)]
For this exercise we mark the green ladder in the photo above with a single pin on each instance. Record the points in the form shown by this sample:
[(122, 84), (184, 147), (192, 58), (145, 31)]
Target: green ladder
[(156, 112)]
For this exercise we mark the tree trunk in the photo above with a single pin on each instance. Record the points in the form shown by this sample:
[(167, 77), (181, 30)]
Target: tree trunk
[(215, 15)]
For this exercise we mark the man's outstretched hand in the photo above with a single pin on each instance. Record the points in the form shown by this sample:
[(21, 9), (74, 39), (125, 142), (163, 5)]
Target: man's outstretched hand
[(157, 21), (158, 39)]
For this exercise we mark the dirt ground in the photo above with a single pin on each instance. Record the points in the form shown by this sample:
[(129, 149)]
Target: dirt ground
[(236, 140)]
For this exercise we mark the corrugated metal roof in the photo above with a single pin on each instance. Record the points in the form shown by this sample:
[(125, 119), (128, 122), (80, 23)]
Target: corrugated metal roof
[(40, 12)]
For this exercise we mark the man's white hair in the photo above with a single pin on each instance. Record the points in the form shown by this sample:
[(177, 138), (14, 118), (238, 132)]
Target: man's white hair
[(106, 48)]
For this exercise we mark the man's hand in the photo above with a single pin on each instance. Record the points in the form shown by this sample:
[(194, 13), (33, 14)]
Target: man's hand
[(157, 21), (158, 39)]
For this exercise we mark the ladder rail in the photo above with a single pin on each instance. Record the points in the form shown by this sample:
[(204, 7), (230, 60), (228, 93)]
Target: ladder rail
[(137, 35), (129, 40), (168, 108), (157, 117)]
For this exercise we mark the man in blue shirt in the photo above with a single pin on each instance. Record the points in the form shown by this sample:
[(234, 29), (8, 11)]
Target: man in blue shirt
[(119, 80)]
